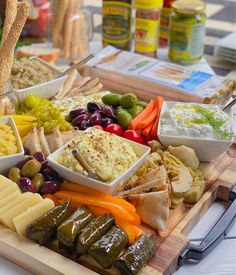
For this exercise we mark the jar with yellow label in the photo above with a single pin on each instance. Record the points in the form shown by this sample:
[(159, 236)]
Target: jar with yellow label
[(116, 27), (147, 26), (187, 31)]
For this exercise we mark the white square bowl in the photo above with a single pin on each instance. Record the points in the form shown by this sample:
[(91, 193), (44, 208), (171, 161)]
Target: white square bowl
[(206, 149), (45, 90), (6, 162), (141, 150)]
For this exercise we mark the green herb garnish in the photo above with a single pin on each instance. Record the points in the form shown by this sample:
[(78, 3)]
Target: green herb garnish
[(209, 118)]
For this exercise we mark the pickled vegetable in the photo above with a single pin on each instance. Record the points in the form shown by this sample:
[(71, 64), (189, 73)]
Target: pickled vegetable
[(128, 100), (111, 99), (67, 232), (31, 168), (106, 250), (44, 229), (136, 256), (93, 232)]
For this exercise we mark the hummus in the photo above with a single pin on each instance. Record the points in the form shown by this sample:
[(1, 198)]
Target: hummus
[(8, 144), (197, 121), (108, 155)]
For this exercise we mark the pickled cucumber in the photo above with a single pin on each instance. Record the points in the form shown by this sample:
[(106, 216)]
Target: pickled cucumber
[(128, 100), (111, 99), (124, 118), (135, 110)]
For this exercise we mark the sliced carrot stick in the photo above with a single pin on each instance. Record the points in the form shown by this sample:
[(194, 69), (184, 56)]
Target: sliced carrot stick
[(128, 228), (134, 124), (98, 211), (89, 191), (159, 101), (147, 121), (137, 231), (146, 131), (113, 207)]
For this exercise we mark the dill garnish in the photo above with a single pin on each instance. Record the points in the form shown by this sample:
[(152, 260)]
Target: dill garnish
[(209, 118)]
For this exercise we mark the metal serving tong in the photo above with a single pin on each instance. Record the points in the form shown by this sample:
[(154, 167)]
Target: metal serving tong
[(77, 155), (214, 237), (76, 65), (230, 105)]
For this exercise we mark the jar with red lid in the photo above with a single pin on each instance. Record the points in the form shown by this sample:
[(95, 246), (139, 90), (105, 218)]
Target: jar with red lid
[(165, 23)]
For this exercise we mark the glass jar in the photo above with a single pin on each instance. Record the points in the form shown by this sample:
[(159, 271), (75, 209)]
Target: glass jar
[(187, 31), (166, 12), (116, 23), (147, 26), (8, 101), (71, 27)]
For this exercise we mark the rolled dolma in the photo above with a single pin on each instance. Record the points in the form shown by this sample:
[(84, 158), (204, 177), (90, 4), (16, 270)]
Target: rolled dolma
[(93, 231), (136, 256), (108, 248), (68, 231), (44, 229)]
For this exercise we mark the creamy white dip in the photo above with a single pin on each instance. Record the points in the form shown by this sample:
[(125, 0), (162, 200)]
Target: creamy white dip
[(196, 120)]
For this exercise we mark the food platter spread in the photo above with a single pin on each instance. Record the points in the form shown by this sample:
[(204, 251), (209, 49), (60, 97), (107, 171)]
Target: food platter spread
[(104, 180)]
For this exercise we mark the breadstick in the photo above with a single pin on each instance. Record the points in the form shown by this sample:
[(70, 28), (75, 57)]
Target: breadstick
[(68, 29), (76, 33), (58, 21), (7, 50), (11, 11)]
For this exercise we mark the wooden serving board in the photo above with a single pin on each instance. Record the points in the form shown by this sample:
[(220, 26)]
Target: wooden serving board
[(170, 242)]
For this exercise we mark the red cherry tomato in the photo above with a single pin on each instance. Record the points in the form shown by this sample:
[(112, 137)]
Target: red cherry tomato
[(134, 136), (98, 127), (114, 129)]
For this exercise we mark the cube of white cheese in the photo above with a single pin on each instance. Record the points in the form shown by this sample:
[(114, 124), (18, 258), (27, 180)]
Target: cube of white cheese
[(28, 216), (7, 217), (5, 182), (15, 194), (14, 202), (8, 190)]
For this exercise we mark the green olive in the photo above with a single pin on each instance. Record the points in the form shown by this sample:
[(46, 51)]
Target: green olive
[(31, 168), (38, 181), (128, 100), (111, 99), (135, 110), (14, 174), (124, 118), (142, 104)]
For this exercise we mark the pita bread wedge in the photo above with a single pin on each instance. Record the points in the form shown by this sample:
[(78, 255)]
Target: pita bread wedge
[(150, 176), (32, 142), (68, 135), (153, 208), (55, 140), (43, 142)]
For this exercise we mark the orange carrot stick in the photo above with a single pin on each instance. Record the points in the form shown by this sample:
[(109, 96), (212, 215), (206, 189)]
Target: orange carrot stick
[(113, 207), (128, 230), (147, 121), (159, 101), (134, 124), (89, 191), (51, 197), (146, 131)]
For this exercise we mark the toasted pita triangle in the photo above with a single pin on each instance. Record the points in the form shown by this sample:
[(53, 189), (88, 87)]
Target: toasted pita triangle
[(32, 142), (68, 135), (54, 140), (153, 208), (43, 142)]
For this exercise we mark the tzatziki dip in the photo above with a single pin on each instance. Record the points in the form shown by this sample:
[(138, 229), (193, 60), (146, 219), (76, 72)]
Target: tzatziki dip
[(197, 121)]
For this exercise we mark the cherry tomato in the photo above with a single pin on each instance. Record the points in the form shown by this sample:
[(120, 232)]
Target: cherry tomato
[(114, 129), (99, 127), (134, 136)]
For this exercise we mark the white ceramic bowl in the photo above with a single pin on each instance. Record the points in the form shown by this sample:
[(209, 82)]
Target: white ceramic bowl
[(45, 90), (206, 149), (6, 162), (141, 150)]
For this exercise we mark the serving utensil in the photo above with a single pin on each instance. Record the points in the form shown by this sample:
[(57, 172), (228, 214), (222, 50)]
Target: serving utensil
[(77, 155), (230, 105), (76, 65)]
